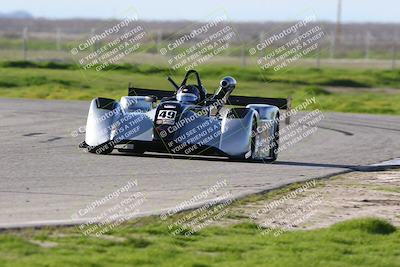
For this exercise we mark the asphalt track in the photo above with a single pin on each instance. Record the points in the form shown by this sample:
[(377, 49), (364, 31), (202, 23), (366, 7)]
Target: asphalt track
[(46, 179)]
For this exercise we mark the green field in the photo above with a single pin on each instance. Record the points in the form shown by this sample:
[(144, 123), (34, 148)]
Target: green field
[(359, 89), (367, 242)]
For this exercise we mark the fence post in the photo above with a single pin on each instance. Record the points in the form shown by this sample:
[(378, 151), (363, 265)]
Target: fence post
[(25, 43), (158, 41), (367, 44), (58, 39), (394, 55), (92, 34), (332, 46), (243, 55)]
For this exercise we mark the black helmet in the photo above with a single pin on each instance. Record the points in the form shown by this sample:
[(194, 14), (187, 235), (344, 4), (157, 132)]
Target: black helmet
[(188, 93)]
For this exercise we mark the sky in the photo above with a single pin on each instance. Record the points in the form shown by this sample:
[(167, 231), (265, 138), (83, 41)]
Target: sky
[(237, 10)]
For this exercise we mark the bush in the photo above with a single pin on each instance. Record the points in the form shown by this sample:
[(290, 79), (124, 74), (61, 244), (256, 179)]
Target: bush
[(314, 90), (367, 225), (344, 82)]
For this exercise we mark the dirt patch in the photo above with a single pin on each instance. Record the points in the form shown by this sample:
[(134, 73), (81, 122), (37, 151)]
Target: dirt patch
[(321, 204), (44, 244)]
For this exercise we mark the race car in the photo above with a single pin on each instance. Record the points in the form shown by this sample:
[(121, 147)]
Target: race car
[(186, 121)]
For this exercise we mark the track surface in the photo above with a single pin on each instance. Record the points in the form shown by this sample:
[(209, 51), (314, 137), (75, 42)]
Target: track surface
[(45, 178)]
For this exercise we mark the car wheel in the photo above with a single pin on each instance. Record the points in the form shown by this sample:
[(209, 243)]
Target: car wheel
[(275, 142), (253, 139), (136, 150)]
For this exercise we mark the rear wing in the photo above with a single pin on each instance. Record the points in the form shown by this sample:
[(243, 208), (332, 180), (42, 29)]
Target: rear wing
[(281, 103), (134, 91)]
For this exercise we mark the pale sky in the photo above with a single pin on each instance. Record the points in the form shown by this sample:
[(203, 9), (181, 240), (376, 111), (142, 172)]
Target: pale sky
[(237, 10)]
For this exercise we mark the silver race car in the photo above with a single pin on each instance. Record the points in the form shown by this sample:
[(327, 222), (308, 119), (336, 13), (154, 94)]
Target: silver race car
[(187, 121)]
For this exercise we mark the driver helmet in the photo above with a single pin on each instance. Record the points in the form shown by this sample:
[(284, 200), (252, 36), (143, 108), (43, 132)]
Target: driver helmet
[(188, 94)]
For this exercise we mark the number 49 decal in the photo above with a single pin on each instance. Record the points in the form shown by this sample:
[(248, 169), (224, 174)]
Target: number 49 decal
[(166, 114)]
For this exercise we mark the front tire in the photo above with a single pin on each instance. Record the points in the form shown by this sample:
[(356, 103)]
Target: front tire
[(102, 149)]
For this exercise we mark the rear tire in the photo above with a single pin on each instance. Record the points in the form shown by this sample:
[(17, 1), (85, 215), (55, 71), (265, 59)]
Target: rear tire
[(275, 142), (253, 139)]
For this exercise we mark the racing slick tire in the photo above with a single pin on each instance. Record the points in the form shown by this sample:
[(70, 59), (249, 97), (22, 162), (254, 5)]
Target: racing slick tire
[(275, 142)]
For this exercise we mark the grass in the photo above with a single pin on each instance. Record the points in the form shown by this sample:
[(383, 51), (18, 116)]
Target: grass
[(49, 80), (146, 242), (393, 189)]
